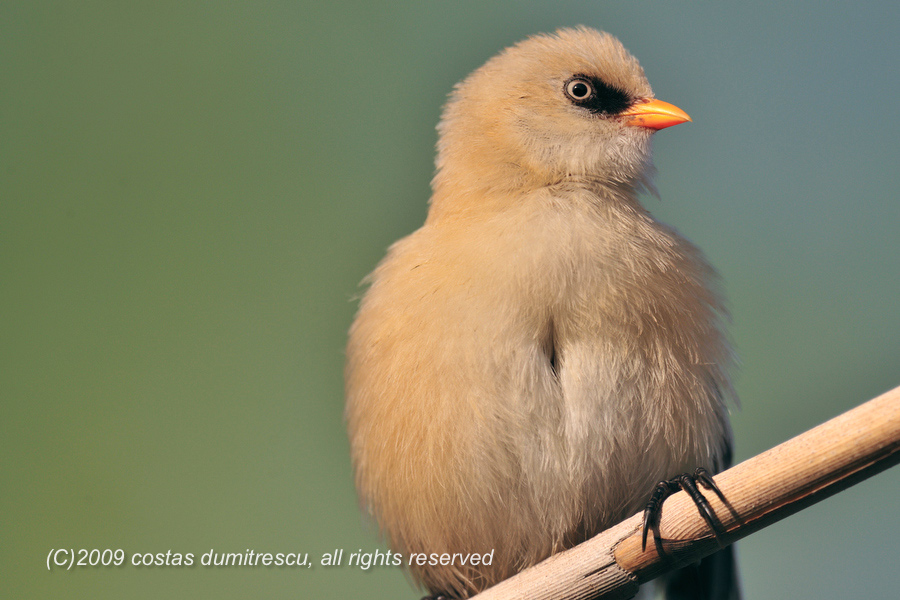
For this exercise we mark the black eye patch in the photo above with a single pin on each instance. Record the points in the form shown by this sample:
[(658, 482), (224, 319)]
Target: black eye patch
[(596, 95)]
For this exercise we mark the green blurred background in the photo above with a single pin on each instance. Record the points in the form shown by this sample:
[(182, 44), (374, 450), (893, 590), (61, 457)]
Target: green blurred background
[(191, 192)]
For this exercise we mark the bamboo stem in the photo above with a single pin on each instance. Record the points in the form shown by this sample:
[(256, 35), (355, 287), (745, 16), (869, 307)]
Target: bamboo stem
[(760, 491)]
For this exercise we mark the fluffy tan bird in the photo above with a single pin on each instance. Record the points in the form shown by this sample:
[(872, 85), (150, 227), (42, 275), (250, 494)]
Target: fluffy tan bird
[(528, 365)]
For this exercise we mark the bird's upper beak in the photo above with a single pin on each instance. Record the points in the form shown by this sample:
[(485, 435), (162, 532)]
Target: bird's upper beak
[(654, 114)]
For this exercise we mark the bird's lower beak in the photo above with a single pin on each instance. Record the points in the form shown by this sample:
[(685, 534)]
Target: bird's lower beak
[(654, 114)]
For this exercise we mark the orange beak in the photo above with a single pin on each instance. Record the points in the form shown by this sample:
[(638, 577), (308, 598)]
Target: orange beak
[(654, 114)]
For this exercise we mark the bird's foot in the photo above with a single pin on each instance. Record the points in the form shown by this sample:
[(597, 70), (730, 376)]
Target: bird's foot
[(688, 483)]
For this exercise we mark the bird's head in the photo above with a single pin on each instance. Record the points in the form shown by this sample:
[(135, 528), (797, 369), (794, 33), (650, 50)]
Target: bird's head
[(571, 105)]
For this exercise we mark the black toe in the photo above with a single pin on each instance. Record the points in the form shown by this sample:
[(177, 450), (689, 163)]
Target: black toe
[(689, 483)]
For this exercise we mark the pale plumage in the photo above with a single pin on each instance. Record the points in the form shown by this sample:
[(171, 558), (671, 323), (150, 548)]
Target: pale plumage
[(527, 365)]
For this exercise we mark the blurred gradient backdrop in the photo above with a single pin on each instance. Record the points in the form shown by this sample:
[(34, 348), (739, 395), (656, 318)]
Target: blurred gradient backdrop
[(191, 192)]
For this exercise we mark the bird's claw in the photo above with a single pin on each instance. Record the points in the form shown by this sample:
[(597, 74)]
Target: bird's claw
[(687, 482)]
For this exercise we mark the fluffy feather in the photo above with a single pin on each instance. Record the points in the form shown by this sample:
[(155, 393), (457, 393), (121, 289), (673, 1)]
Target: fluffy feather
[(527, 365)]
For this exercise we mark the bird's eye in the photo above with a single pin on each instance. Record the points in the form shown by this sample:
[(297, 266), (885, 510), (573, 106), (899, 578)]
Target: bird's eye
[(579, 89), (595, 95)]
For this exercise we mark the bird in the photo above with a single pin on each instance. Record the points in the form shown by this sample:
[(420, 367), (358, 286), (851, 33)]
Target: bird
[(542, 355)]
